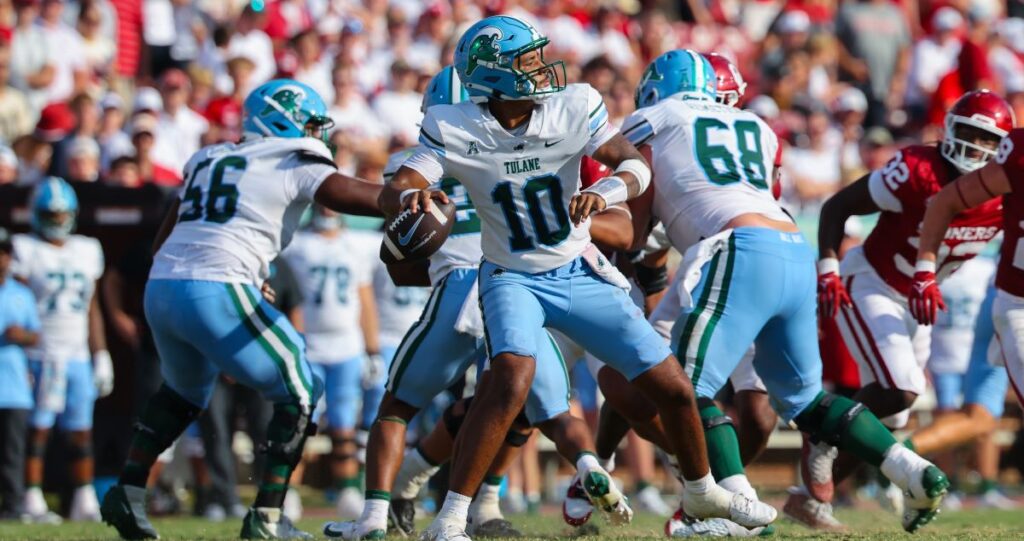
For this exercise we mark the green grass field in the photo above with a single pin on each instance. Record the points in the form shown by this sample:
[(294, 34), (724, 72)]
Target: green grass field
[(963, 525)]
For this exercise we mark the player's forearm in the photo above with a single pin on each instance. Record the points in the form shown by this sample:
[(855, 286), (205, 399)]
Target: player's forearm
[(349, 195), (166, 226), (612, 229), (941, 210), (97, 331), (627, 163), (390, 198), (854, 199), (369, 322)]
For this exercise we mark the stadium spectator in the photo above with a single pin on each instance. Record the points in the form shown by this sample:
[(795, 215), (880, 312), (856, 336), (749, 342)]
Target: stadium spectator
[(179, 128), (83, 160), (849, 110), (250, 41), (973, 65), (875, 51), (1004, 55), (143, 128), (66, 50), (114, 142), (311, 65), (350, 112), (398, 108), (86, 115), (123, 173), (98, 47), (19, 323), (15, 116), (933, 57), (812, 167), (33, 67)]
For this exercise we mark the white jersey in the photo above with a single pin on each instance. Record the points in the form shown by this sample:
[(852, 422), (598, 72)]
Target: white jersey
[(520, 184), (240, 206), (953, 333), (330, 271), (711, 163), (462, 248), (397, 307), (63, 280)]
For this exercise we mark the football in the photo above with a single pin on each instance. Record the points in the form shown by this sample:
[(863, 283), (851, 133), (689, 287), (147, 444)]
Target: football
[(414, 237)]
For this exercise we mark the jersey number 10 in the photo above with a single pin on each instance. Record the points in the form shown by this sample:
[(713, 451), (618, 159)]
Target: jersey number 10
[(533, 191), (725, 166)]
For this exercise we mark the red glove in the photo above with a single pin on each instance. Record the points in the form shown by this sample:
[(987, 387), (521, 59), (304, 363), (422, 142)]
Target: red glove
[(925, 298), (831, 292)]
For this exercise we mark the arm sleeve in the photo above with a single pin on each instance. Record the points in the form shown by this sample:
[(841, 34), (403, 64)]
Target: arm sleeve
[(597, 122), (638, 129), (426, 162), (888, 184)]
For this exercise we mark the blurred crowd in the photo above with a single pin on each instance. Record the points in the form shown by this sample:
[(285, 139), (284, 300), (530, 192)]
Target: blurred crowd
[(124, 91)]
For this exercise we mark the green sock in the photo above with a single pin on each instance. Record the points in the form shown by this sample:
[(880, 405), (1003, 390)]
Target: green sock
[(285, 439), (723, 445), (493, 480), (641, 485), (347, 482), (987, 485), (378, 495), (909, 444), (864, 435)]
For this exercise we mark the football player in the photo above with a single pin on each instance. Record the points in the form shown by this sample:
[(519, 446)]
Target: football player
[(70, 366), (748, 273), (431, 358), (1001, 177), (338, 306), (516, 148), (240, 206), (868, 292)]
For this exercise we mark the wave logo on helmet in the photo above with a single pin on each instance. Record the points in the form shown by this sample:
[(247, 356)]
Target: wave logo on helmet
[(484, 49)]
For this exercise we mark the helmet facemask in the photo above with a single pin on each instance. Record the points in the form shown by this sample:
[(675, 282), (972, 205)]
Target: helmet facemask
[(54, 225), (727, 97), (535, 81), (968, 143)]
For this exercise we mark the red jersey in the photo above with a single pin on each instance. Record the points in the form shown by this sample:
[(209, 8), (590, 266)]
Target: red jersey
[(902, 189), (1010, 273)]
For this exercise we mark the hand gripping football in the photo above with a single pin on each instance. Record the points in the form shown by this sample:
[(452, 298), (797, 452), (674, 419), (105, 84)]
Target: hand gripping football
[(412, 237)]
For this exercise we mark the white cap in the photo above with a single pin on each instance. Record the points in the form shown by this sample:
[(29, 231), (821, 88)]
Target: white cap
[(851, 99), (84, 146), (763, 106), (147, 98), (793, 22), (112, 100), (947, 18)]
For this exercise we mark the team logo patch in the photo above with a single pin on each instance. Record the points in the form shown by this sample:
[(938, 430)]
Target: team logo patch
[(472, 149), (484, 48)]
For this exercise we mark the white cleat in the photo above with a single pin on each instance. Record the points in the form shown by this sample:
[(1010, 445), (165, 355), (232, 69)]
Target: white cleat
[(680, 525), (350, 504), (649, 499), (36, 510), (924, 485), (353, 531), (816, 460), (576, 507), (721, 503), (891, 499), (84, 505), (292, 505), (444, 531), (803, 508), (994, 499), (606, 496)]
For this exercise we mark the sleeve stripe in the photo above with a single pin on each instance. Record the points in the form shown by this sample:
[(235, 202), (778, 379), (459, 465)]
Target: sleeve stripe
[(643, 122), (596, 109), (433, 148), (424, 134), (643, 141), (598, 121), (641, 135)]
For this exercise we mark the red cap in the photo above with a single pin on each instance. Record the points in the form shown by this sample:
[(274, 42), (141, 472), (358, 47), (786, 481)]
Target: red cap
[(55, 121)]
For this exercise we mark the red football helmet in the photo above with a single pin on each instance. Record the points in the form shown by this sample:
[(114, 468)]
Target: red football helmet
[(980, 109), (731, 85)]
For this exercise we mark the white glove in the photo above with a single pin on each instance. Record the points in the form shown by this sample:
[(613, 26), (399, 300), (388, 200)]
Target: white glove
[(103, 373), (373, 370)]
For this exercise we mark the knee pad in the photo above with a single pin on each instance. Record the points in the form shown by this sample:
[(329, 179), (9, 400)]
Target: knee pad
[(828, 418), (80, 451), (35, 448), (514, 438), (452, 420), (167, 415), (289, 427)]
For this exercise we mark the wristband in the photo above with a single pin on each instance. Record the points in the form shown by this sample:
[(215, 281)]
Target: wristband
[(404, 194), (827, 265), (637, 168), (924, 265), (612, 189)]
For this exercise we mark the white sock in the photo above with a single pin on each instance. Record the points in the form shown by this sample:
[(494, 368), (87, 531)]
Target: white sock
[(375, 515), (739, 484), (608, 464), (900, 464), (455, 508), (587, 463), (415, 472), (700, 486), (486, 504)]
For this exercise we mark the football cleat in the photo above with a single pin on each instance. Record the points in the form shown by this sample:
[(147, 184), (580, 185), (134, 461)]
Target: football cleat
[(496, 527), (441, 530), (804, 509), (124, 508), (816, 461), (924, 498), (724, 504), (606, 496), (350, 530), (269, 523), (402, 517), (576, 508)]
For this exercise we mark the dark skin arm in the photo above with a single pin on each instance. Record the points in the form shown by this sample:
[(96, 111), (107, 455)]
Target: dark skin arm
[(97, 333), (20, 336), (641, 206), (612, 229), (166, 226), (654, 260), (963, 193), (853, 200), (342, 193), (615, 151)]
